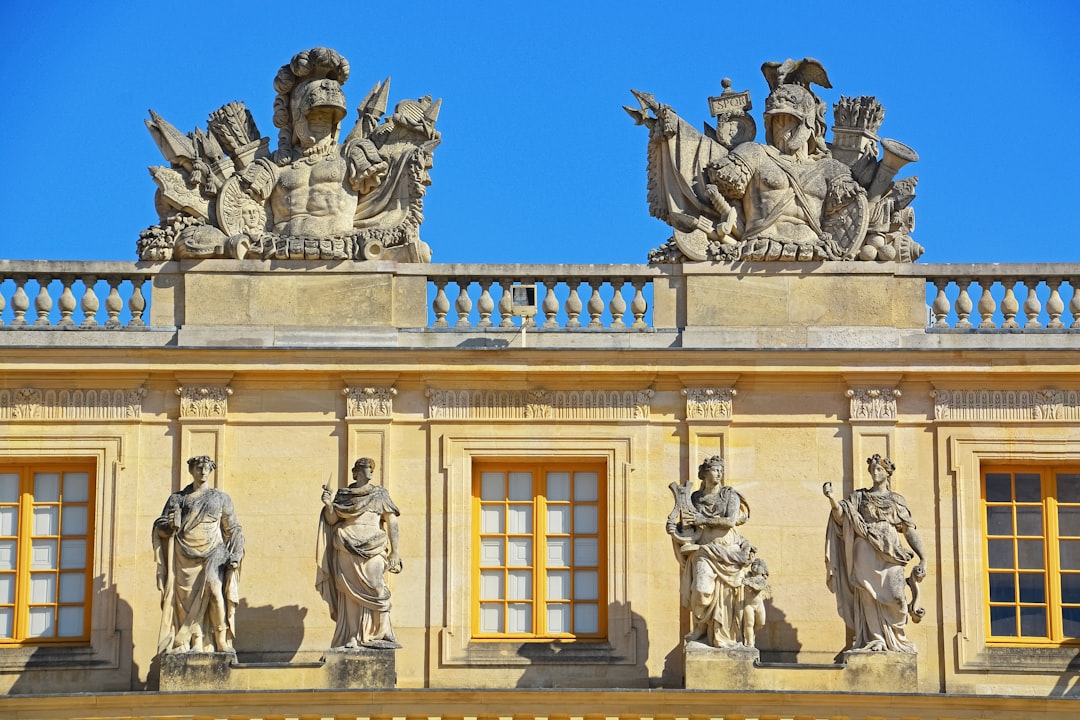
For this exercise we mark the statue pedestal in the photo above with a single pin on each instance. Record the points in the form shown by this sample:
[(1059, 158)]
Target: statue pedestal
[(709, 668), (196, 671), (360, 668), (868, 671)]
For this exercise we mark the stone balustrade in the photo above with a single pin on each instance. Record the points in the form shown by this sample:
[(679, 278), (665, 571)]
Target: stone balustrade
[(1013, 298), (63, 294)]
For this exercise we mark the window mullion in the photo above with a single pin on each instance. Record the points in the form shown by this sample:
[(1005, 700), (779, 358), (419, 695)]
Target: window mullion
[(539, 551), (24, 555), (1053, 560)]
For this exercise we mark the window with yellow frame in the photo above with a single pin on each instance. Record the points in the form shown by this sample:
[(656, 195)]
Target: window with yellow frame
[(46, 527), (1032, 533), (539, 558)]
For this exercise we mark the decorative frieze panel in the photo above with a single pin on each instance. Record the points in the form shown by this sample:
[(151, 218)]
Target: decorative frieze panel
[(1047, 404), (873, 403), (64, 404), (539, 404), (369, 402), (204, 401), (709, 403)]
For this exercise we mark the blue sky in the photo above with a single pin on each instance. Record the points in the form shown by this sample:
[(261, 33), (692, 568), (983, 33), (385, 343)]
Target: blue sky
[(539, 163)]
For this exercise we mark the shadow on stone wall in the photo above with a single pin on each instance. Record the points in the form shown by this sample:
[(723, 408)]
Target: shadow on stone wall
[(268, 634), (778, 641), (1068, 684)]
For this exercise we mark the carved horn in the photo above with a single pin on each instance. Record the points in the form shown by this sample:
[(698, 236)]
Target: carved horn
[(895, 155)]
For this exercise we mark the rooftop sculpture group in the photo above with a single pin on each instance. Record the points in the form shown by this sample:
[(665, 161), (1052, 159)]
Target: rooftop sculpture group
[(793, 198), (225, 195)]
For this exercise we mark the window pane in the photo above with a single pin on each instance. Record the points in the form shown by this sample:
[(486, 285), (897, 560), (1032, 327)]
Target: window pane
[(558, 519), (73, 520), (999, 520), (41, 622), (1070, 588), (47, 520), (1029, 521), (519, 585), (7, 588), (491, 585), (1003, 621), (491, 486), (1001, 553), (491, 618), (520, 486), (43, 555), (6, 616), (586, 585), (558, 618), (1033, 621), (558, 585), (1070, 618), (558, 552), (72, 587), (76, 488), (585, 487), (491, 552), (585, 519), (1070, 554), (7, 554), (491, 518), (520, 520), (73, 554), (1031, 554), (70, 622), (1032, 588), (1028, 488), (519, 618), (1069, 521), (586, 618), (9, 521), (558, 486), (998, 487), (586, 552), (42, 588), (46, 487), (9, 487), (1002, 587), (520, 552), (1068, 488)]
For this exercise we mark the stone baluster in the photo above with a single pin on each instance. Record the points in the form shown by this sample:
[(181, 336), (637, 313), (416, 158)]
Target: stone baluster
[(506, 303), (987, 304), (43, 302), (1074, 304), (90, 302), (595, 306), (114, 304), (20, 303), (963, 304), (1009, 305), (441, 304), (66, 303), (941, 305), (617, 306), (1054, 305), (638, 306), (485, 304), (137, 303), (463, 304), (2, 305), (550, 306), (573, 305), (1032, 306)]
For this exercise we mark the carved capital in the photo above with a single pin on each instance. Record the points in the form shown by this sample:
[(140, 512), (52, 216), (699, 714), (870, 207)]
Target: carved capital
[(873, 403), (709, 403), (369, 402), (204, 401), (71, 404)]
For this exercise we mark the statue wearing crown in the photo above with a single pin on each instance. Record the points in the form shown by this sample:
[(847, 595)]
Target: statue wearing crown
[(792, 198), (314, 198)]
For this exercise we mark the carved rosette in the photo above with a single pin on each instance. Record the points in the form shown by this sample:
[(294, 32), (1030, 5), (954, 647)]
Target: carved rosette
[(369, 402), (71, 404), (873, 403), (709, 403), (539, 404), (1005, 405), (204, 401)]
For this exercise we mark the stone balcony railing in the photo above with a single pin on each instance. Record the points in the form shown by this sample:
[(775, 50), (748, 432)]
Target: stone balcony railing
[(372, 303)]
